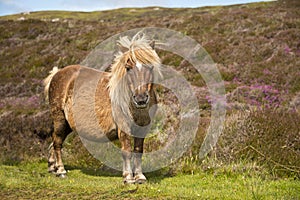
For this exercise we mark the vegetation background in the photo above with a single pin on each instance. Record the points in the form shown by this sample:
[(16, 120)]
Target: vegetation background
[(257, 50)]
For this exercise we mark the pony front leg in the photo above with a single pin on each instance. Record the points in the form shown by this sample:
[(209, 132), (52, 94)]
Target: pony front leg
[(137, 160), (126, 155)]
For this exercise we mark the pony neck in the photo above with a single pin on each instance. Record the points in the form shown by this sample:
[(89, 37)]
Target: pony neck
[(140, 116)]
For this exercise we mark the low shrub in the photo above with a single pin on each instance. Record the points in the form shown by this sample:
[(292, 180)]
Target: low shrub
[(269, 137), (24, 136)]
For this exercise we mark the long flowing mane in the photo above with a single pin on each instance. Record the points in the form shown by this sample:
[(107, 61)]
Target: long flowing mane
[(136, 49)]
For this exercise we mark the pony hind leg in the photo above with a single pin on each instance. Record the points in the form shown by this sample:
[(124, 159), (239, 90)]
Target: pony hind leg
[(61, 131), (51, 159)]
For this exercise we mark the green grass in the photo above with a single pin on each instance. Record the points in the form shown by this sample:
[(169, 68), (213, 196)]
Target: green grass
[(32, 181)]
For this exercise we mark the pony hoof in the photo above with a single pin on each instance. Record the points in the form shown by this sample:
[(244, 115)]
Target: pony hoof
[(61, 175), (140, 179), (128, 178), (52, 169), (129, 181)]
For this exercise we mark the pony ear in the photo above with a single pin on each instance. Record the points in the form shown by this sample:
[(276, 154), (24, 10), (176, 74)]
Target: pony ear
[(122, 48), (129, 63), (152, 44)]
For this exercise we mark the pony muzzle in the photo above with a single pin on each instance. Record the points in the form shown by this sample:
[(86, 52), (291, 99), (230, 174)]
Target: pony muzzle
[(141, 100)]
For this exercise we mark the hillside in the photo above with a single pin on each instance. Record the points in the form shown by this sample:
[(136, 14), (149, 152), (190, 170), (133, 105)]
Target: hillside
[(255, 46)]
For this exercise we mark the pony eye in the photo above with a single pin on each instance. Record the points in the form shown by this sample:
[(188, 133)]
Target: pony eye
[(128, 68)]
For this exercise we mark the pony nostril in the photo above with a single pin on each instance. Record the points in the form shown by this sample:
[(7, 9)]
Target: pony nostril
[(140, 103), (141, 99)]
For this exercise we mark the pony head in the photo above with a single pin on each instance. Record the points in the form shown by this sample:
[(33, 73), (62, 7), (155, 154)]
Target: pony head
[(136, 67)]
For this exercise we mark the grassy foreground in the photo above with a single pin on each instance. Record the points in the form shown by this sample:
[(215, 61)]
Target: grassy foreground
[(31, 181)]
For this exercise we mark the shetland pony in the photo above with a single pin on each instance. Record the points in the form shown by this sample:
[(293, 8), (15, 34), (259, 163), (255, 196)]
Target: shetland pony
[(123, 98)]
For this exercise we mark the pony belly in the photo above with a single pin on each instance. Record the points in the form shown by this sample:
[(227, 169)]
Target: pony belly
[(88, 107), (93, 128)]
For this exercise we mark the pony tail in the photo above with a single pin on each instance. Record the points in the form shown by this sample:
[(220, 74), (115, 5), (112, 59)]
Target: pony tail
[(47, 82)]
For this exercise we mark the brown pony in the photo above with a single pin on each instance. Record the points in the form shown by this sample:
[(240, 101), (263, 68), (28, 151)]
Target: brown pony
[(123, 98)]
